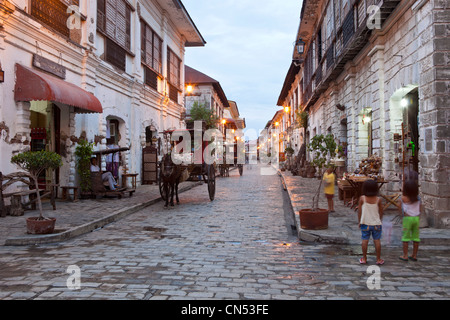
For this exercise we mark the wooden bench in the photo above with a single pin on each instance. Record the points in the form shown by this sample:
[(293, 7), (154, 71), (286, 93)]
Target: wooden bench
[(66, 195), (17, 203), (346, 193), (98, 188)]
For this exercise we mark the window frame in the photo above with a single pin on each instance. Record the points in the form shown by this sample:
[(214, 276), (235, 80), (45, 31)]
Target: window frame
[(48, 20), (176, 83), (144, 40), (102, 11)]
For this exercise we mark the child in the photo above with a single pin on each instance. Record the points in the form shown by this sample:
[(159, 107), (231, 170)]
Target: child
[(411, 206), (329, 178), (370, 214)]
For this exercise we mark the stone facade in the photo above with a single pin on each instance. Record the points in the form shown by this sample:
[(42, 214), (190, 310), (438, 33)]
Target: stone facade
[(127, 99), (402, 64)]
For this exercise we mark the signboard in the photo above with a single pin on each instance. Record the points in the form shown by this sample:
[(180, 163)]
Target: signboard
[(49, 66)]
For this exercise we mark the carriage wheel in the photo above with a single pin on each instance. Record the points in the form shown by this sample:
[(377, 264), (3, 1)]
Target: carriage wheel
[(161, 186), (211, 182), (241, 169)]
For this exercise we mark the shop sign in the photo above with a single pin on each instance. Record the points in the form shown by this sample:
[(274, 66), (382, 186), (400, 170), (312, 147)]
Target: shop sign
[(49, 66)]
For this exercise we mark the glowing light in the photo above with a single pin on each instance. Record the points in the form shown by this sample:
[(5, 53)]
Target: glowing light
[(404, 103), (189, 88)]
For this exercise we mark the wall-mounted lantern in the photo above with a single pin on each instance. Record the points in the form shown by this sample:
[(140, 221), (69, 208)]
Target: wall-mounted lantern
[(300, 46)]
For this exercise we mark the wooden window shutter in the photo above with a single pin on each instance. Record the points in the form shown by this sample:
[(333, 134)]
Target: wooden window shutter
[(157, 53), (118, 22), (115, 54), (101, 15), (151, 78)]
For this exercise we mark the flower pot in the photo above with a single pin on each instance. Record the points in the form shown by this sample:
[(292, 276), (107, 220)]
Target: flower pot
[(313, 219), (35, 226)]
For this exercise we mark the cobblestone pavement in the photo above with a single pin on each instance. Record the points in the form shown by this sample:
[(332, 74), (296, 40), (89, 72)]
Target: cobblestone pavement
[(237, 247)]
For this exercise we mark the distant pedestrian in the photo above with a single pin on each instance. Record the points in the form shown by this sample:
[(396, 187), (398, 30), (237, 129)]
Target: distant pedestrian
[(411, 205), (329, 179), (370, 215)]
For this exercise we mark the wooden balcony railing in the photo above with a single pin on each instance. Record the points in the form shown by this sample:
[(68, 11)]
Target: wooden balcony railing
[(349, 39)]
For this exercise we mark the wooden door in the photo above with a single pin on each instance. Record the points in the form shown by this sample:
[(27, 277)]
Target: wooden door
[(149, 165)]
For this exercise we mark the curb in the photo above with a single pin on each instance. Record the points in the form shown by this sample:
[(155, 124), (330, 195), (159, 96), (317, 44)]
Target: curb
[(87, 227), (426, 238), (310, 236)]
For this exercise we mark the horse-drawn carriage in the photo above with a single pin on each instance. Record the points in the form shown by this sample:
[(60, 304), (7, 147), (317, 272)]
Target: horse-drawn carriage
[(232, 148), (179, 165)]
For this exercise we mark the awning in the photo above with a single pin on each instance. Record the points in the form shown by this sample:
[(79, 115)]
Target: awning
[(32, 85)]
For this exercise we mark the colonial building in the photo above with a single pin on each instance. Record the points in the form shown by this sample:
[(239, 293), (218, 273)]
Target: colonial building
[(375, 75), (110, 71), (289, 99), (207, 92)]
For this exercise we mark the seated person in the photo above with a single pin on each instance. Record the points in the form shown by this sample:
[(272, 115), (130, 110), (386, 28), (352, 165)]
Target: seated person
[(106, 176)]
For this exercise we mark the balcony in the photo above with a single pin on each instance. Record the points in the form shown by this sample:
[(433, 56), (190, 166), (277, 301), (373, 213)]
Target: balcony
[(349, 39)]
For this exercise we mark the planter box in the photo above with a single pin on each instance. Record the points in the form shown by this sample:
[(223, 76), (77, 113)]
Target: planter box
[(313, 220), (35, 226)]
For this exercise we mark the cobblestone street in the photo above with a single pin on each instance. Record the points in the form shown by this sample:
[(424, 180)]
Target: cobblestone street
[(240, 246)]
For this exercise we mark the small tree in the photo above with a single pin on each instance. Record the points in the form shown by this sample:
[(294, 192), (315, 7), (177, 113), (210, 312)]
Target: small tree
[(321, 147), (201, 112), (302, 119), (84, 152), (35, 162)]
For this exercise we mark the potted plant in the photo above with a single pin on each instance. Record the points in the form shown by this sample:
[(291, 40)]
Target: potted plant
[(35, 162), (314, 218), (323, 149), (83, 152)]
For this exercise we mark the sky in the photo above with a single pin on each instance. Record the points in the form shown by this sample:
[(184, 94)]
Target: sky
[(249, 47)]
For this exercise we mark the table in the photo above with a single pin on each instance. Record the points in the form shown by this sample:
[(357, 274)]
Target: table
[(133, 179), (357, 183)]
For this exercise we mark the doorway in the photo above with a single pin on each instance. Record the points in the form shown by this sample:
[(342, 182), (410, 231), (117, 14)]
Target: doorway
[(150, 156), (45, 125), (410, 104)]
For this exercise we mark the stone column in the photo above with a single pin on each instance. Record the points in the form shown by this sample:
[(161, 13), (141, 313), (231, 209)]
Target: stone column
[(378, 111), (352, 118), (434, 121)]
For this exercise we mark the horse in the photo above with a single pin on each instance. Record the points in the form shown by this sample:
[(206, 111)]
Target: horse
[(172, 175)]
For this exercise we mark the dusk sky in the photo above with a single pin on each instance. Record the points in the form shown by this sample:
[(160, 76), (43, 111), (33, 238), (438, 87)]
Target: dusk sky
[(249, 50)]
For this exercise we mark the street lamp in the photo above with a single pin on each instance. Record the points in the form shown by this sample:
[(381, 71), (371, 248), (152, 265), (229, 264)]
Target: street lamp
[(189, 89), (300, 46), (286, 109)]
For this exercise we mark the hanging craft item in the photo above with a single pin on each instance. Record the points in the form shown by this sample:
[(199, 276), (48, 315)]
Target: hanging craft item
[(411, 145)]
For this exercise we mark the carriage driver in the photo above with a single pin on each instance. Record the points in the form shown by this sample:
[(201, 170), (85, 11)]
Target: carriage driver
[(106, 176)]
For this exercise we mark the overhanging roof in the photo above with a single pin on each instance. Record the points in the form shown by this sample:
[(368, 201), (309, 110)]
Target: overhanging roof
[(33, 85), (289, 80), (181, 19), (192, 76)]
